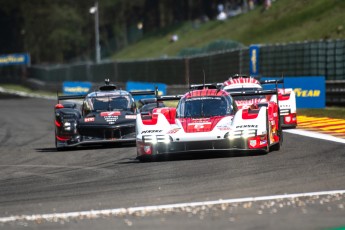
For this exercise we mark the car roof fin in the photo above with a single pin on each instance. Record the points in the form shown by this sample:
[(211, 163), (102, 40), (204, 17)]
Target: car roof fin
[(107, 86)]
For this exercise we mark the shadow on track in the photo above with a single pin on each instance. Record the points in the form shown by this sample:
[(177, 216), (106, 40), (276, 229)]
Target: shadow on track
[(86, 147), (202, 155)]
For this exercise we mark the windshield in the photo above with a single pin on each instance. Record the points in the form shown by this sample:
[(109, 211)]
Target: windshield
[(108, 103), (239, 90), (197, 107)]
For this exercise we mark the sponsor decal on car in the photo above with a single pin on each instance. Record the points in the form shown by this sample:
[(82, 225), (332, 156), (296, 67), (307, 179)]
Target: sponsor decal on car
[(89, 119), (252, 143), (131, 116), (201, 120), (172, 131), (115, 113), (284, 106), (197, 126), (151, 131), (111, 119), (223, 128), (246, 126)]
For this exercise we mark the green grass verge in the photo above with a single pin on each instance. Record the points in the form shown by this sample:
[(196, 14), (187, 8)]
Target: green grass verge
[(286, 21), (331, 112)]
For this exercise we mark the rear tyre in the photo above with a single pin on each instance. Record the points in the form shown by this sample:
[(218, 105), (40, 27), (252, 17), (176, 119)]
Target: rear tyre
[(57, 148), (275, 147)]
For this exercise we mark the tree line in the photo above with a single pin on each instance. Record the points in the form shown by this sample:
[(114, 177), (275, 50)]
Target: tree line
[(61, 31)]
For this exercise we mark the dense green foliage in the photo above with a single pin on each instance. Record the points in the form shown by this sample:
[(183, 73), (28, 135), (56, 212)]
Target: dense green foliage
[(61, 31), (286, 21)]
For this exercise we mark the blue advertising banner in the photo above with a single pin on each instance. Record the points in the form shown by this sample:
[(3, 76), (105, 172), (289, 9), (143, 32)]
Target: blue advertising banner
[(133, 86), (310, 91), (254, 60), (76, 88), (15, 59)]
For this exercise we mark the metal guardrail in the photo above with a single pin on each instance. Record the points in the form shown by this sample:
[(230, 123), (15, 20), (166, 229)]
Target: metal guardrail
[(310, 58)]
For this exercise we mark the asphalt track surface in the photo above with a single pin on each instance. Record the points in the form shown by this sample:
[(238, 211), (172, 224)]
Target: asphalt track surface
[(36, 179)]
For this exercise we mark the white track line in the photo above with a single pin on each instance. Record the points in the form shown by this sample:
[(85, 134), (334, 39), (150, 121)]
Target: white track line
[(315, 135), (131, 210), (149, 209)]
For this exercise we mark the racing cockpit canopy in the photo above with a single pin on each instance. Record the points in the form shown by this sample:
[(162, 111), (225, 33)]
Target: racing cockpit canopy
[(110, 102), (205, 106)]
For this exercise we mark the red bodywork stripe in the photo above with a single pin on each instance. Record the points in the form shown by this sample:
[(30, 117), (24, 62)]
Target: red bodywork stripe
[(58, 124), (250, 114), (61, 138), (192, 125), (59, 106)]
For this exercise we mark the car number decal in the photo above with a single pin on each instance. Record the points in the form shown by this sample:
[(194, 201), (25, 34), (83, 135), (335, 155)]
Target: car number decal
[(89, 119)]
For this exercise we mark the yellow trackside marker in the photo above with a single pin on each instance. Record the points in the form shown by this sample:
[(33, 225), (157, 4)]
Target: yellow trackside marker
[(330, 124), (335, 127), (339, 131)]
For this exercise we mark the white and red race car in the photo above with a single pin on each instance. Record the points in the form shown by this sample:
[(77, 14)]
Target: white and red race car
[(286, 96), (208, 119)]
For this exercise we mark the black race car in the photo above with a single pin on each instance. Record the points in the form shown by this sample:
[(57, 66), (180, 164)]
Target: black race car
[(104, 116)]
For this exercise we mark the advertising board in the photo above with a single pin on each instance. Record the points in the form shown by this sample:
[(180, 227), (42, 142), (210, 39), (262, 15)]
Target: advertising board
[(76, 88), (310, 91), (15, 59), (133, 86)]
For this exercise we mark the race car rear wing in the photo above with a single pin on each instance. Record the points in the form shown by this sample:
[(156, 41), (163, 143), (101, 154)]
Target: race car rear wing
[(254, 93), (133, 93), (206, 86), (70, 97), (157, 99), (273, 81), (143, 92)]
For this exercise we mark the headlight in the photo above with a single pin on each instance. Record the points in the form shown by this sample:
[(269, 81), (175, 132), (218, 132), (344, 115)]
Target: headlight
[(154, 139), (249, 133), (67, 126), (240, 134)]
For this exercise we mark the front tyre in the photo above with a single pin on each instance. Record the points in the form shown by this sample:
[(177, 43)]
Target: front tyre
[(145, 158), (268, 131), (276, 147)]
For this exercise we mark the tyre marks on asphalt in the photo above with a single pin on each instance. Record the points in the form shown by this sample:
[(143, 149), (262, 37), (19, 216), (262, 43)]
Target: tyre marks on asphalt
[(326, 125), (5, 134)]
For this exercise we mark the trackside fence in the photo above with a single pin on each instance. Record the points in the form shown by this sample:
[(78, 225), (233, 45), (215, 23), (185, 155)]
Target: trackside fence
[(310, 58)]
